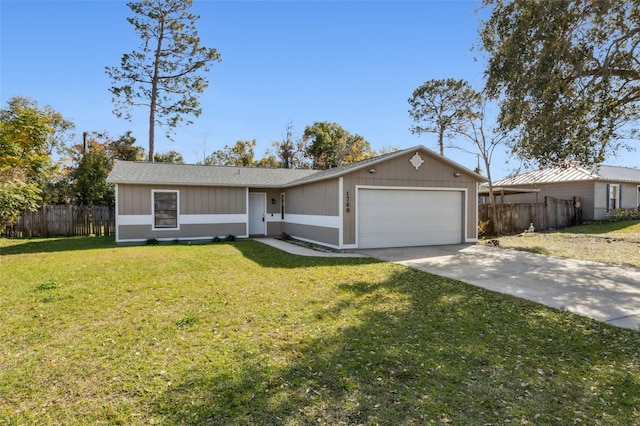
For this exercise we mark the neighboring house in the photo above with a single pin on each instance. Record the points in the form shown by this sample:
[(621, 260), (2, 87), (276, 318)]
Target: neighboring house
[(599, 190), (404, 198)]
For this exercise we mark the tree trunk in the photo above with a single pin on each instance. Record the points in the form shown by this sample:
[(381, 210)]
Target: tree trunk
[(441, 140), (154, 93)]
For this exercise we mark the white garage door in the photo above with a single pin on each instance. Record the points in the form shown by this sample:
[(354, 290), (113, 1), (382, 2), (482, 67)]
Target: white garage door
[(402, 218)]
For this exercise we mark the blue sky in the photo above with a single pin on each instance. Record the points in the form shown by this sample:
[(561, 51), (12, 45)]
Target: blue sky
[(351, 62)]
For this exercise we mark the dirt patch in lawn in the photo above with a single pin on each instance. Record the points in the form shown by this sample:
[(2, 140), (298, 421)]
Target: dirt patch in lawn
[(612, 248)]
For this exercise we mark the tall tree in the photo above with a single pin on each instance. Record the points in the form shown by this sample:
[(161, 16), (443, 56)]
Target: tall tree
[(329, 145), (438, 106), (290, 151), (167, 73), (567, 73), (90, 177)]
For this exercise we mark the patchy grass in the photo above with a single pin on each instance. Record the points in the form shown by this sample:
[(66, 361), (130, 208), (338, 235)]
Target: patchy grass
[(241, 333), (616, 243)]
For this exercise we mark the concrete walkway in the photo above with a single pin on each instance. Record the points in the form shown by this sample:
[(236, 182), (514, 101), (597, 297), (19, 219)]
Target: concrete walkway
[(301, 250), (603, 292)]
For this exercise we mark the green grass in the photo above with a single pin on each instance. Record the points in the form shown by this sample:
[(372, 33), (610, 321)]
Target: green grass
[(622, 227), (240, 333)]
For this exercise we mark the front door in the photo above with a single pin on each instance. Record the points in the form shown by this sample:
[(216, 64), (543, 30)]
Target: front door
[(257, 213)]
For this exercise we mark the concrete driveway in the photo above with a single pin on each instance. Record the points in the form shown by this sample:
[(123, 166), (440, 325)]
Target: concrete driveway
[(606, 293)]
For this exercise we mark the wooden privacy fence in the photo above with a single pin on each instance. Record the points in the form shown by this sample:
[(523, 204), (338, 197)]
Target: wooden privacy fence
[(65, 221), (515, 218)]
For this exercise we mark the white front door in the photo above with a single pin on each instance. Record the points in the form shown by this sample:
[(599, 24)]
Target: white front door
[(257, 212)]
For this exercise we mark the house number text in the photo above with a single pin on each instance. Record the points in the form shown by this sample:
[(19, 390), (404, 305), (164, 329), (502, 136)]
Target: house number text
[(348, 205)]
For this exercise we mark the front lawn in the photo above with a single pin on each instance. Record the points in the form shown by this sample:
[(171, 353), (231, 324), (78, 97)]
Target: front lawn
[(243, 334)]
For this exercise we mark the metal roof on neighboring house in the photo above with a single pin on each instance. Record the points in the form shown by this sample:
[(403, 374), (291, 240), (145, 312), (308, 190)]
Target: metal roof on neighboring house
[(127, 172), (572, 174)]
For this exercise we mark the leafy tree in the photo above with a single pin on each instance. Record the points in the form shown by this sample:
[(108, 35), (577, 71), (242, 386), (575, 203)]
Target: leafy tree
[(329, 145), (124, 149), (290, 151), (167, 73), (438, 106), (29, 136), (173, 157), (567, 74), (16, 197), (241, 153), (90, 177)]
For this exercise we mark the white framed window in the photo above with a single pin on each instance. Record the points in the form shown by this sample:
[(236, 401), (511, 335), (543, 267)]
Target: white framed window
[(638, 200), (165, 205), (613, 197)]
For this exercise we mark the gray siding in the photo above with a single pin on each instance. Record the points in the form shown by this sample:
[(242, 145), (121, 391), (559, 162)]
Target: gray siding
[(320, 234), (144, 232), (399, 172), (320, 198), (136, 199)]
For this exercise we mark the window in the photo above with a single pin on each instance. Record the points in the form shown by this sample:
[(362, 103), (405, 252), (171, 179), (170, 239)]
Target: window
[(282, 205), (165, 209), (613, 197), (638, 197)]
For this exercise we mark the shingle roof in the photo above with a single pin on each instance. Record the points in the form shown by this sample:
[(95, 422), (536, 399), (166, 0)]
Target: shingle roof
[(573, 174), (127, 172), (186, 174)]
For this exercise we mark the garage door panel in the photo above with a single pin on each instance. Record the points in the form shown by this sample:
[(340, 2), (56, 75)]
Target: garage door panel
[(397, 218)]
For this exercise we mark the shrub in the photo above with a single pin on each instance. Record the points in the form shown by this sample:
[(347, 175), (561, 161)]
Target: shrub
[(624, 214), (152, 241), (231, 237), (483, 228), (216, 239)]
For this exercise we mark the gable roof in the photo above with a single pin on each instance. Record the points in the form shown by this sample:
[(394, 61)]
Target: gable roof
[(195, 175), (573, 174), (349, 168), (128, 172)]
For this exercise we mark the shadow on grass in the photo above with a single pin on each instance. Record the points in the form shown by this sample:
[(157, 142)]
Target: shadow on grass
[(49, 245), (535, 250), (271, 257), (416, 349)]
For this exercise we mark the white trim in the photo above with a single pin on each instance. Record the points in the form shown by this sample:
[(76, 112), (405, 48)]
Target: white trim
[(153, 210), (418, 188), (314, 220), (185, 219), (341, 211), (205, 219), (136, 219), (116, 219)]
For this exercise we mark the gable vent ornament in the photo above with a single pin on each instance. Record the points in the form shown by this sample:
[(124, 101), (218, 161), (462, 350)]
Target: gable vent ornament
[(416, 161)]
